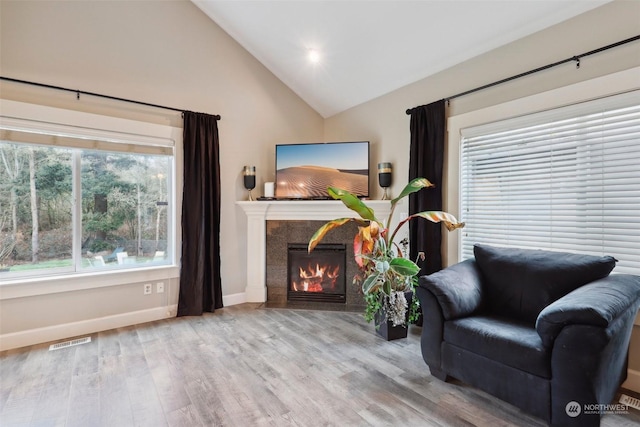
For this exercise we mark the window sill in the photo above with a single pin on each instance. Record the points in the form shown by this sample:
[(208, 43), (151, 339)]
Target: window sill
[(20, 288)]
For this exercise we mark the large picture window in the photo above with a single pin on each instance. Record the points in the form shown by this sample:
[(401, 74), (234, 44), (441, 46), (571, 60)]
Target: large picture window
[(82, 203), (565, 179)]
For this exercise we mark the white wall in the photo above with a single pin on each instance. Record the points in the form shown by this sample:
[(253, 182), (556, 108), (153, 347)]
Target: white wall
[(162, 52)]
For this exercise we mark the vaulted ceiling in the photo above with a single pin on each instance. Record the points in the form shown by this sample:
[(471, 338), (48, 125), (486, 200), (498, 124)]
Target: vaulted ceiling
[(367, 48)]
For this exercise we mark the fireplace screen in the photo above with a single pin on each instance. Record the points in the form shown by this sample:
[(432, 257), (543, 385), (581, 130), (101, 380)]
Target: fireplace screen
[(316, 276)]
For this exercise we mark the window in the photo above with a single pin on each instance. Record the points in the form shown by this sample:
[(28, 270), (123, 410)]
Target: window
[(565, 179), (81, 200)]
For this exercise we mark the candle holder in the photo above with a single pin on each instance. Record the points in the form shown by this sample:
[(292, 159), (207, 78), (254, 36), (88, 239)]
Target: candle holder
[(249, 174), (384, 178)]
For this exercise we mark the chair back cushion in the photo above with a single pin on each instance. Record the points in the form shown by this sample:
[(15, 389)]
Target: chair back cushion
[(519, 283)]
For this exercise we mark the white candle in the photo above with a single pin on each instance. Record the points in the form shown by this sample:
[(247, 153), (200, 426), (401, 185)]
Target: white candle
[(268, 189)]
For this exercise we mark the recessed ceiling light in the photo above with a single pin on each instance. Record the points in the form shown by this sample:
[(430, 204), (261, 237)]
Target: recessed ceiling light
[(314, 56)]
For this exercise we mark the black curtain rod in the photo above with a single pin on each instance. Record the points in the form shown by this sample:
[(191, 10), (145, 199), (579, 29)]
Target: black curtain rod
[(575, 59), (82, 92)]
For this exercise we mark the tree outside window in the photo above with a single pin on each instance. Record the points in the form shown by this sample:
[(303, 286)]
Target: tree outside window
[(122, 222)]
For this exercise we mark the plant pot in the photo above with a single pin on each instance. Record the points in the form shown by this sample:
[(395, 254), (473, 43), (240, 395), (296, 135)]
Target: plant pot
[(386, 329)]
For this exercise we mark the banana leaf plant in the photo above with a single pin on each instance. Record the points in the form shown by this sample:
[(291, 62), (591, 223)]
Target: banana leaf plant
[(386, 275)]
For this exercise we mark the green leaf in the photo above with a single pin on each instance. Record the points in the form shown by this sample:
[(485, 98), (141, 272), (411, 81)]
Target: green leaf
[(320, 233), (404, 267), (382, 266), (371, 284), (415, 185), (386, 287), (353, 203)]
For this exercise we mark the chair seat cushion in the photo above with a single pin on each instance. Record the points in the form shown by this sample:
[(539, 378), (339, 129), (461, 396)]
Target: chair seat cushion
[(513, 343), (519, 283)]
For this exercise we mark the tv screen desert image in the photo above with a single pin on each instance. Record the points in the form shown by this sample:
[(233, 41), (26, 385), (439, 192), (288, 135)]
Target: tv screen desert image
[(306, 170)]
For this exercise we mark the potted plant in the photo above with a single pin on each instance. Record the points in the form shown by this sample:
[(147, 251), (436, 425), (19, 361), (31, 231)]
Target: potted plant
[(387, 276)]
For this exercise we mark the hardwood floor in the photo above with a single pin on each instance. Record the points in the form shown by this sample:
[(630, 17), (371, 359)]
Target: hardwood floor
[(244, 366)]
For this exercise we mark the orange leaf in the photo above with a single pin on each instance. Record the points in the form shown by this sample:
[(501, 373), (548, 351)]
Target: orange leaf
[(357, 250), (449, 221)]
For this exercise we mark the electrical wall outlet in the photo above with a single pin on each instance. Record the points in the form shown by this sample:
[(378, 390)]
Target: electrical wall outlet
[(160, 287), (148, 289)]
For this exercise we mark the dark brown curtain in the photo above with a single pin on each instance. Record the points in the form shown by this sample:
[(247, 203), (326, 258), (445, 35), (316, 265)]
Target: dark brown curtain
[(426, 161), (200, 283)]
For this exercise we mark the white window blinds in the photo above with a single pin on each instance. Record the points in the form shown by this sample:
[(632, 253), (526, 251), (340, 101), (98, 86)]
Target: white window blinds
[(566, 179)]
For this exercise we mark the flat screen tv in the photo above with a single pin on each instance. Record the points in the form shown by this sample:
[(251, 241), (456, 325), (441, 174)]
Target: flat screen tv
[(304, 171)]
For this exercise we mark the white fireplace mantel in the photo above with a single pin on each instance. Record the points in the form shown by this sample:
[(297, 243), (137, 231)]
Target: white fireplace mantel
[(259, 212)]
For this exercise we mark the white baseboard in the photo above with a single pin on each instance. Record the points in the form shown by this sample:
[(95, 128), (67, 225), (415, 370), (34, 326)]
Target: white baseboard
[(234, 299), (633, 380), (67, 330)]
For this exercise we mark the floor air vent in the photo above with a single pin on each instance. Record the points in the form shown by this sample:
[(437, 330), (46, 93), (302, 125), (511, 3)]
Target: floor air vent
[(71, 343), (630, 401)]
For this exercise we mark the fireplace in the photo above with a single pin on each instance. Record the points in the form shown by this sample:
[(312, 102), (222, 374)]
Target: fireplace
[(318, 276), (283, 235), (272, 224)]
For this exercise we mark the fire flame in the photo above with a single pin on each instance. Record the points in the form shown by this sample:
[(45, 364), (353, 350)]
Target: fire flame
[(316, 279)]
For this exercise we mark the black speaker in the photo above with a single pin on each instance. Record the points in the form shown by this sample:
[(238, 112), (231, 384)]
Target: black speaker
[(249, 174), (384, 177)]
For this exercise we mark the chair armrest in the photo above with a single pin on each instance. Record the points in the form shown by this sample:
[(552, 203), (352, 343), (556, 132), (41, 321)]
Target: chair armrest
[(598, 303), (458, 289), (432, 329)]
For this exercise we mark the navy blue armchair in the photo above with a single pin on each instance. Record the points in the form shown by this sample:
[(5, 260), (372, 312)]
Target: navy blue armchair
[(545, 331)]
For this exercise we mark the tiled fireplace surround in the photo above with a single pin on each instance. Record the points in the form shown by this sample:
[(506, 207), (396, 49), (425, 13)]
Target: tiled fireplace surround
[(281, 233), (271, 225)]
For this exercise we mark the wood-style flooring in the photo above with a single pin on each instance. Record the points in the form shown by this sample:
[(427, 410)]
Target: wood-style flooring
[(244, 366)]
